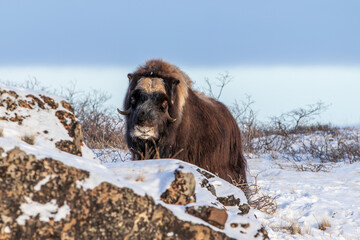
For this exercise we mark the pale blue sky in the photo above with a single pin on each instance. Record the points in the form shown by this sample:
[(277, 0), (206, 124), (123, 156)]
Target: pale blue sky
[(202, 32), (284, 53)]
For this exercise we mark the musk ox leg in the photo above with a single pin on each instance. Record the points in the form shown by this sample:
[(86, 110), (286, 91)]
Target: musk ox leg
[(238, 174)]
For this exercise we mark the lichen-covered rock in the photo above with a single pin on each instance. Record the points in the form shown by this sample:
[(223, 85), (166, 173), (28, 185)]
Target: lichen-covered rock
[(205, 184), (68, 146), (212, 215), (205, 173), (244, 209), (33, 114), (104, 212), (229, 200), (181, 191)]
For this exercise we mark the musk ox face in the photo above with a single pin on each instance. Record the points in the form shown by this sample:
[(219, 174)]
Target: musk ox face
[(148, 112)]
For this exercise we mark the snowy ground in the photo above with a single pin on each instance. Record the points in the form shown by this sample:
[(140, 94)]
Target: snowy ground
[(304, 198), (307, 198)]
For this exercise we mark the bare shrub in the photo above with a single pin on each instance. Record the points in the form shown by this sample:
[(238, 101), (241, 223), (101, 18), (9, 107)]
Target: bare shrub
[(297, 120), (246, 118), (102, 126), (256, 198), (264, 203), (336, 145), (310, 167), (294, 135), (221, 81), (31, 83), (107, 155)]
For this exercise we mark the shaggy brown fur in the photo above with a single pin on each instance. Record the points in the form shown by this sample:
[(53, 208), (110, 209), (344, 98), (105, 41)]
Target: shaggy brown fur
[(204, 133)]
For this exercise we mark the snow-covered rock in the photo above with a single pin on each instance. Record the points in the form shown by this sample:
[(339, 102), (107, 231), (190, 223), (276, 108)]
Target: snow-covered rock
[(53, 186)]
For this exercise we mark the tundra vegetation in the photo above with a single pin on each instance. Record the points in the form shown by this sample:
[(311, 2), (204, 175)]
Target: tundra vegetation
[(296, 136)]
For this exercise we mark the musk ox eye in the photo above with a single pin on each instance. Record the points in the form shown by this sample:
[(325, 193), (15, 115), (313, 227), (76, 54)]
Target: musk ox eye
[(164, 105), (132, 101)]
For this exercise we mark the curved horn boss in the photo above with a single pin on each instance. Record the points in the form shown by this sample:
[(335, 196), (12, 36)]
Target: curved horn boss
[(166, 114), (127, 112)]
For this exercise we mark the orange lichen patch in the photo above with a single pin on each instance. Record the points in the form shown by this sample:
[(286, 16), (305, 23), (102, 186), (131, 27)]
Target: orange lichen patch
[(49, 101), (245, 225), (234, 225), (17, 118), (244, 209), (73, 127), (214, 216), (67, 106), (69, 147), (36, 100), (263, 233), (11, 93), (181, 190), (9, 103), (24, 104), (229, 200), (67, 119)]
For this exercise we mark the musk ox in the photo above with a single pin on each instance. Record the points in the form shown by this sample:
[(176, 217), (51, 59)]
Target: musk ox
[(166, 118)]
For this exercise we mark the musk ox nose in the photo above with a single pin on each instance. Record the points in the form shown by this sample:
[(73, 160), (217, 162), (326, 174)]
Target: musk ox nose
[(145, 115), (143, 130)]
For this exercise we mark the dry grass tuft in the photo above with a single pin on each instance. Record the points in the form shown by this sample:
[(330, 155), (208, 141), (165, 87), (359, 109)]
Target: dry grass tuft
[(1, 132), (29, 139), (140, 178), (324, 224), (307, 229), (293, 228)]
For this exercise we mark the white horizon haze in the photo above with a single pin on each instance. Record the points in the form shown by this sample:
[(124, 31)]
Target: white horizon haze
[(275, 89)]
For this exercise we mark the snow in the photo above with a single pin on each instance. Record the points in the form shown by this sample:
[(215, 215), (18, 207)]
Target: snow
[(45, 211), (43, 182), (307, 198)]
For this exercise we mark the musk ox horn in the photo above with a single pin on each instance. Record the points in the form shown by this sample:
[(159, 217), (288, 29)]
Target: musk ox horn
[(127, 112), (169, 118)]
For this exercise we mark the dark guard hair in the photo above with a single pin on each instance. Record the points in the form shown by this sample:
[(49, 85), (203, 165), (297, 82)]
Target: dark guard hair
[(166, 118)]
